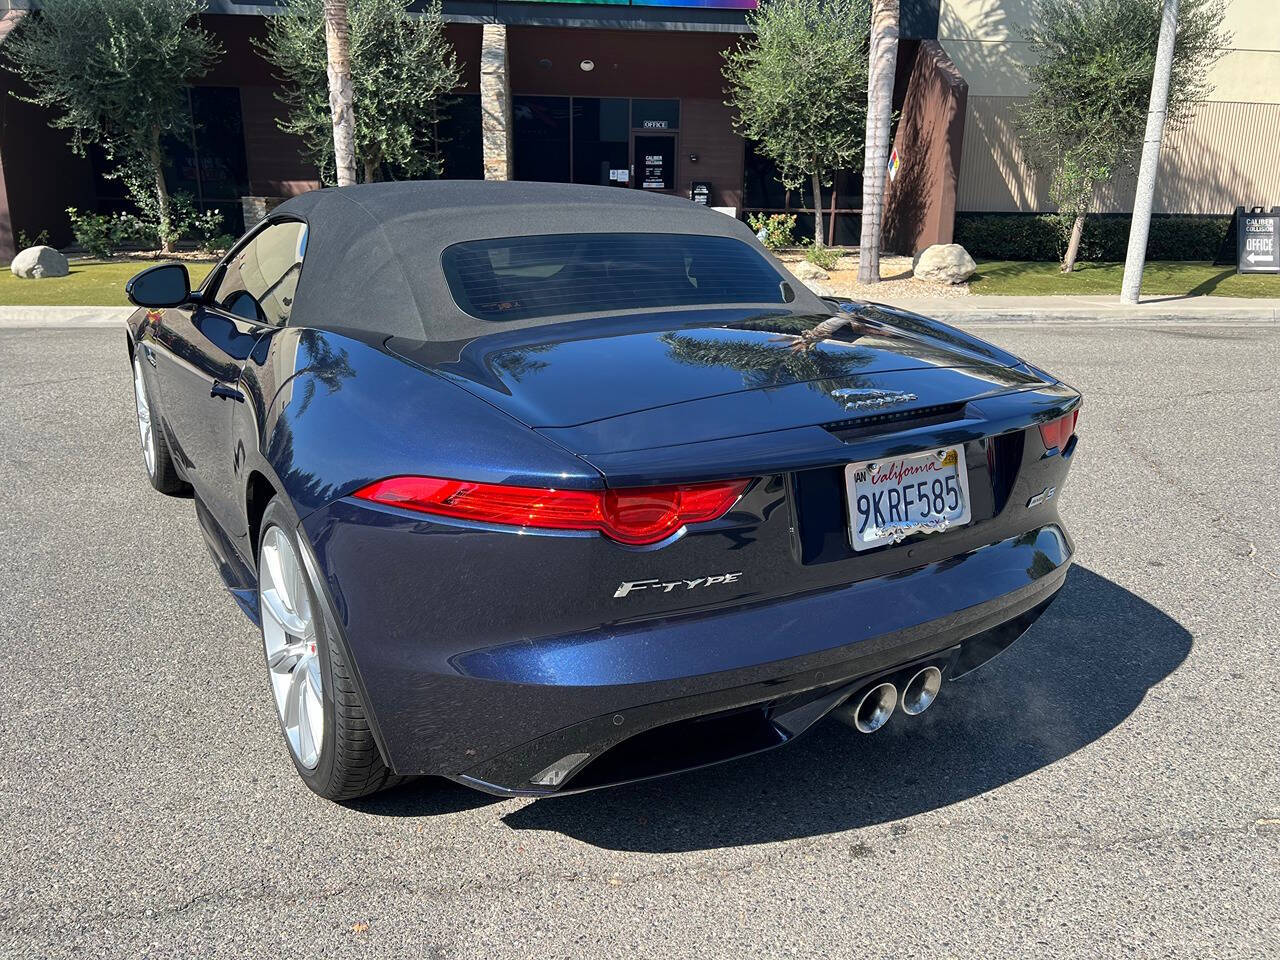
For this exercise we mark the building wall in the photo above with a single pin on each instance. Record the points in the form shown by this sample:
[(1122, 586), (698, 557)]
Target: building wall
[(920, 201), (1226, 156)]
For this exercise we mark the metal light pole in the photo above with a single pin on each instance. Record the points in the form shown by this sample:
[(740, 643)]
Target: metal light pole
[(1135, 258)]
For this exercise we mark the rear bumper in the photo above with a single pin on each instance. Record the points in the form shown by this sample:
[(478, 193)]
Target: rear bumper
[(494, 716)]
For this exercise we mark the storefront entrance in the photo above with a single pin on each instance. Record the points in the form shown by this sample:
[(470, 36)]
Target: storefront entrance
[(606, 141), (654, 161)]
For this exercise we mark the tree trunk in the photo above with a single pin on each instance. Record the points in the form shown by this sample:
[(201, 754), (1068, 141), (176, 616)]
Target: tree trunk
[(371, 171), (1139, 228), (341, 94), (884, 59), (817, 210), (164, 210), (1073, 245)]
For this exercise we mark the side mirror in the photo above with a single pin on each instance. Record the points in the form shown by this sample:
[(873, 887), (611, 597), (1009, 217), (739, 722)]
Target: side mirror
[(164, 285)]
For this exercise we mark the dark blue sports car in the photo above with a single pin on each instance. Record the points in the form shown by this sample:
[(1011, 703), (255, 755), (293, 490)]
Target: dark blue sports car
[(546, 488)]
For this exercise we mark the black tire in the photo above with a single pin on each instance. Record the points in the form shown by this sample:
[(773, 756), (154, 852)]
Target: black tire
[(350, 764), (161, 470)]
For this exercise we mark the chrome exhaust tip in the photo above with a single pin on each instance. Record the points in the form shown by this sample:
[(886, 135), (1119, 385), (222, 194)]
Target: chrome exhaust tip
[(872, 709), (921, 690)]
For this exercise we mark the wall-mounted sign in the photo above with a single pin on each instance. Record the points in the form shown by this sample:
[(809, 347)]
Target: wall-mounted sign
[(655, 124), (894, 165), (700, 192), (1257, 242)]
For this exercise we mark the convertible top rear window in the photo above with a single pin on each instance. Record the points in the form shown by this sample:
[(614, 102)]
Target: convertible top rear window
[(517, 278)]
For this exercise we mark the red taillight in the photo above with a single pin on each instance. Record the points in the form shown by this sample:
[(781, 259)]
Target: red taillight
[(637, 516), (1056, 433)]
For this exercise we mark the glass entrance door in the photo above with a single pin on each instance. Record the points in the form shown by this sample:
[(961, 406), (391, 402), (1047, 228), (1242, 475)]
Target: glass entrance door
[(654, 161)]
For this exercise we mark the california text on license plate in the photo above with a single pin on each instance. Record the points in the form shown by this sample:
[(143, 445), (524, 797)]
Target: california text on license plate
[(891, 499)]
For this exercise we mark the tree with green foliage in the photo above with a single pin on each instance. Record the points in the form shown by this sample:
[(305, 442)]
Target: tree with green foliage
[(402, 70), (799, 86), (114, 73), (1090, 78)]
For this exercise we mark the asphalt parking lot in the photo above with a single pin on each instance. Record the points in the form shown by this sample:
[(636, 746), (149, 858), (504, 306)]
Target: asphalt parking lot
[(1110, 786)]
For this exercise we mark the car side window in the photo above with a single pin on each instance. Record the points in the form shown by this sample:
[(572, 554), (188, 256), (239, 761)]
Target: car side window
[(260, 281)]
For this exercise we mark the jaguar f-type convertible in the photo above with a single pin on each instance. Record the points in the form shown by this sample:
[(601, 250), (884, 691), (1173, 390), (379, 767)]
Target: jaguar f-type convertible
[(546, 488)]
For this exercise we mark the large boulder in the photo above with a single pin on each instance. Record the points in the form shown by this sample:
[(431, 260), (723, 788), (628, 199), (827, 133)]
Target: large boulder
[(36, 262), (944, 263), (804, 270)]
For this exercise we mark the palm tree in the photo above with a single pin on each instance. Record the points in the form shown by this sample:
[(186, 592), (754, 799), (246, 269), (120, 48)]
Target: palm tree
[(884, 60), (341, 94)]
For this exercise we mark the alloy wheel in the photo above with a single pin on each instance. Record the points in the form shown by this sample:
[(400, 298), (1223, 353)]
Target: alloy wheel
[(144, 419), (289, 635)]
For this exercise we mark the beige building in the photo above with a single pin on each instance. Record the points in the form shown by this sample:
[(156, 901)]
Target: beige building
[(1227, 156)]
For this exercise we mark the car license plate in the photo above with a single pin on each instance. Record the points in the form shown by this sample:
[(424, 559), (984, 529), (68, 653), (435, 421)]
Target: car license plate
[(894, 498)]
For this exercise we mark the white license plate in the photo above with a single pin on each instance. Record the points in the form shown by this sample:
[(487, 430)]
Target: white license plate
[(894, 498)]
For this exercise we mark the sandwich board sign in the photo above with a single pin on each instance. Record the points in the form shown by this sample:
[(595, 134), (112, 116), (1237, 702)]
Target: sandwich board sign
[(1257, 242)]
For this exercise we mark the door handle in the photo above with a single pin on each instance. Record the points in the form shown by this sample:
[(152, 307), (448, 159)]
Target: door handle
[(226, 391), (149, 354)]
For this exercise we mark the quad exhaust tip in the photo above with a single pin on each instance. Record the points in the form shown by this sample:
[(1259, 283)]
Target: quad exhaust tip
[(921, 690), (874, 708)]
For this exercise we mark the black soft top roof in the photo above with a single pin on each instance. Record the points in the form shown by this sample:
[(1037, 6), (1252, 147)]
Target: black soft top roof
[(373, 251)]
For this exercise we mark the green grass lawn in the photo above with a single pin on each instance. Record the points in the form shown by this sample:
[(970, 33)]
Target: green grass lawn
[(91, 283), (1161, 278)]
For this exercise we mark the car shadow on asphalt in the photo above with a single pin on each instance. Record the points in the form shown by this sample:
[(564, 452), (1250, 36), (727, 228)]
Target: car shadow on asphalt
[(1077, 674)]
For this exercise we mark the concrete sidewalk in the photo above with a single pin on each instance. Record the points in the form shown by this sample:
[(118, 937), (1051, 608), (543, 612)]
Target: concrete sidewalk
[(971, 309), (1101, 308)]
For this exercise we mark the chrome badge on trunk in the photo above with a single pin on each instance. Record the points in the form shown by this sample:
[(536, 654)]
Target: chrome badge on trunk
[(855, 398), (666, 586)]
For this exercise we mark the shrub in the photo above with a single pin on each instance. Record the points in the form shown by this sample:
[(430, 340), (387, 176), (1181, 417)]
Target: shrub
[(103, 234), (209, 232), (779, 229), (824, 257), (25, 239), (1024, 236)]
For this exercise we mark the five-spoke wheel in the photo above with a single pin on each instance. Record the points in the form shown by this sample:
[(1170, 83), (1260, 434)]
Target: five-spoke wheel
[(289, 634)]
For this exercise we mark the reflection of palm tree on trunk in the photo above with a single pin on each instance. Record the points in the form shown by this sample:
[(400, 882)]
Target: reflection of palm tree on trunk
[(778, 360)]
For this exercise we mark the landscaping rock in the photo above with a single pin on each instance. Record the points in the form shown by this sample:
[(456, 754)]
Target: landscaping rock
[(819, 288), (804, 270), (34, 263), (944, 263)]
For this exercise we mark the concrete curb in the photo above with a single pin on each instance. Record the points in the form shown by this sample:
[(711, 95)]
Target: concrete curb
[(975, 309), (63, 316)]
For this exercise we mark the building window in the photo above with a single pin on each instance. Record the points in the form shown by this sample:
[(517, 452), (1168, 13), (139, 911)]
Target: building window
[(208, 164), (606, 141), (655, 114), (541, 138), (601, 130), (763, 192), (460, 139)]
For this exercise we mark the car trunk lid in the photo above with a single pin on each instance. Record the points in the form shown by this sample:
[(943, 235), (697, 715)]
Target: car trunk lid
[(625, 383)]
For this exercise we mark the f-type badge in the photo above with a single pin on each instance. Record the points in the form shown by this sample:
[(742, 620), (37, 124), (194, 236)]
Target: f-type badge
[(666, 586), (855, 398)]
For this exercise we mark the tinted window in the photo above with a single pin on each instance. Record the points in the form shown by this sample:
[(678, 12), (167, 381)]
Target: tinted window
[(541, 134), (655, 114), (520, 277), (260, 281)]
